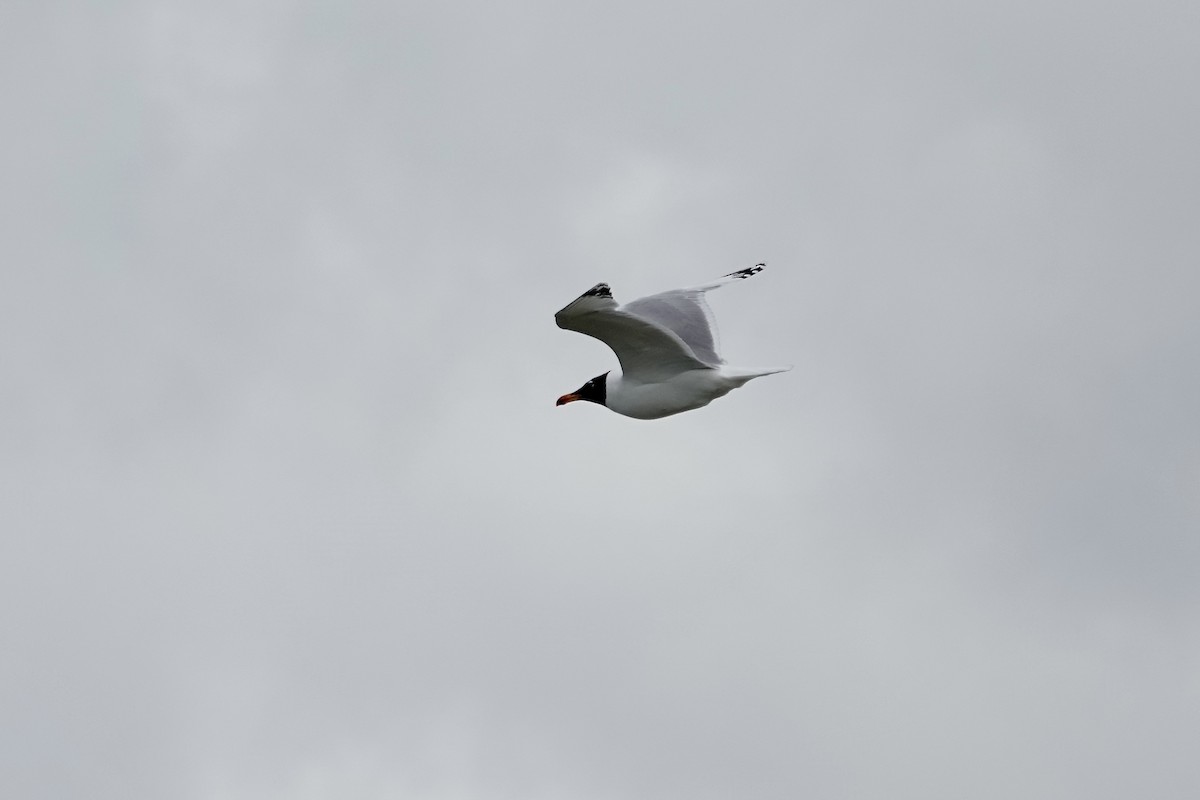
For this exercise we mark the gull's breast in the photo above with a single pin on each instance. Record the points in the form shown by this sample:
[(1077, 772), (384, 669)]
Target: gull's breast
[(682, 392)]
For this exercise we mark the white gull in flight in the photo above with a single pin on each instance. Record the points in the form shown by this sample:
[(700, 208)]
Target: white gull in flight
[(667, 346)]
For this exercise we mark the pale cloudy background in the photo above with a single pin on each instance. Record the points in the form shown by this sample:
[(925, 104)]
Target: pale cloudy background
[(287, 508)]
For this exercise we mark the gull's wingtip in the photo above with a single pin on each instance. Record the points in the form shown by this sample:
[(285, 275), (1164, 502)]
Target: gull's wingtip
[(599, 290), (742, 274), (597, 298)]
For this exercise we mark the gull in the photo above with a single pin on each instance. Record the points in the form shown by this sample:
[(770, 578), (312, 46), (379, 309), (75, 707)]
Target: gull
[(667, 347)]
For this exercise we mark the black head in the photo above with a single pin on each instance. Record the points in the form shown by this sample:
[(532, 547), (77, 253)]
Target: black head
[(594, 391)]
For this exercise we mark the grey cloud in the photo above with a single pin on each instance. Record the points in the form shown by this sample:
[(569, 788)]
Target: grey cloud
[(288, 510)]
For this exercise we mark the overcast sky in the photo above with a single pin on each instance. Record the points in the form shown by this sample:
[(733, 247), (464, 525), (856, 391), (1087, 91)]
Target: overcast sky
[(288, 511)]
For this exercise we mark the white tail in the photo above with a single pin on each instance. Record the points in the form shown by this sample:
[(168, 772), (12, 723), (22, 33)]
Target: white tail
[(742, 375)]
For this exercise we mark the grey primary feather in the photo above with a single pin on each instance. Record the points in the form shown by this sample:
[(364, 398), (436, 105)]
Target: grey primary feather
[(685, 313)]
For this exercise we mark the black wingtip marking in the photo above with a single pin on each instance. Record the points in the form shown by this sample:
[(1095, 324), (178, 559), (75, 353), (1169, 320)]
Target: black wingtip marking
[(599, 290), (748, 271)]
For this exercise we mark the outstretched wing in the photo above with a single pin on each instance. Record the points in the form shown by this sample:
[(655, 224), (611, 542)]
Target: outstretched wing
[(647, 350), (686, 313)]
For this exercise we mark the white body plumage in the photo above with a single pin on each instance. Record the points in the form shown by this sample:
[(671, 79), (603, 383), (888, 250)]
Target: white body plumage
[(684, 391)]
